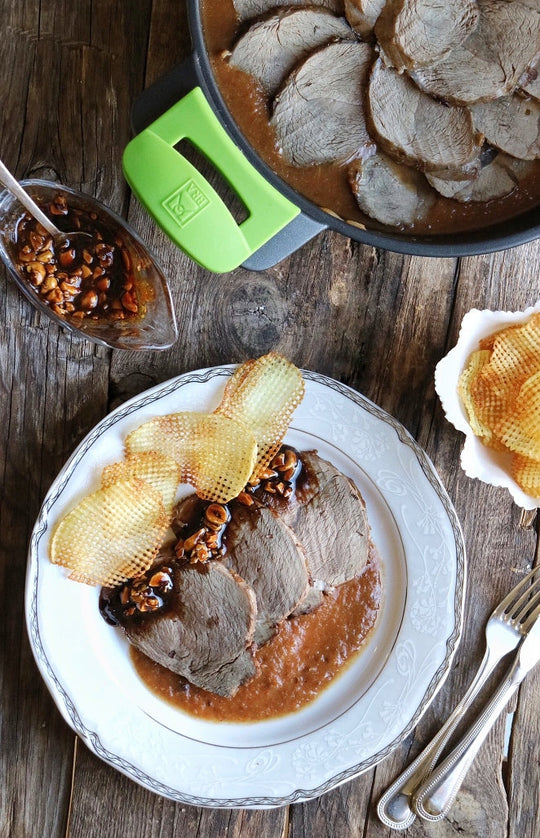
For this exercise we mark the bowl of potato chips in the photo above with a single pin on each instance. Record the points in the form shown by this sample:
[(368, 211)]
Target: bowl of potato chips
[(489, 387)]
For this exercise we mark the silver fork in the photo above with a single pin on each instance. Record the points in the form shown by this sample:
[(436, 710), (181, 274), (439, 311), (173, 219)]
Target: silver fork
[(508, 624)]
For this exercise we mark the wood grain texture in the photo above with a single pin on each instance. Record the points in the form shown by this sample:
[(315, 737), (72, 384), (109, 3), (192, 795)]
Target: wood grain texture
[(374, 320)]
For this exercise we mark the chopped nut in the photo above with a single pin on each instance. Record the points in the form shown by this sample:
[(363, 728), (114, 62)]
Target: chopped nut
[(217, 514), (201, 553), (161, 580), (37, 272), (245, 498), (150, 603), (288, 473), (279, 460), (89, 300), (66, 257), (129, 302), (36, 240), (54, 296), (27, 254), (267, 474), (290, 458), (194, 539)]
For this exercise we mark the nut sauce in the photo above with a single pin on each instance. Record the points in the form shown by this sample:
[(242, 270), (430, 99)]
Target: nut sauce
[(327, 185), (94, 281), (307, 653)]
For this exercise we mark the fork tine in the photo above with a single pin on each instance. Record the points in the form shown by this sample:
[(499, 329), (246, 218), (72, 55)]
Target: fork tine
[(527, 612), (531, 619), (523, 586), (522, 604)]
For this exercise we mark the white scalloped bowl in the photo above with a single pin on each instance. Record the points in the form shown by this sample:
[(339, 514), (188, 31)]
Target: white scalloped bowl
[(477, 460)]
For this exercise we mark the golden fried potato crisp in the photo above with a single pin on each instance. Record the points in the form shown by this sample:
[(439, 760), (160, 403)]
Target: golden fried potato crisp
[(216, 454), (116, 532), (500, 391), (263, 395), (161, 471), (112, 534)]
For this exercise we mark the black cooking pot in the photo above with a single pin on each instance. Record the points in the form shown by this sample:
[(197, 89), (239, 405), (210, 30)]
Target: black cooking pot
[(186, 104)]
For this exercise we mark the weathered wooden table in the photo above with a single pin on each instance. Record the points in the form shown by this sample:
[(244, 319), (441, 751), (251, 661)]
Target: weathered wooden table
[(375, 320)]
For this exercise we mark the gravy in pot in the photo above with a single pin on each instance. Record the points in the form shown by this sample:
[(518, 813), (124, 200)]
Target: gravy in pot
[(327, 185)]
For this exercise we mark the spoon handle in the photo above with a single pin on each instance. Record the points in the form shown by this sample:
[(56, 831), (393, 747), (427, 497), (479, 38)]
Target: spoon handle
[(14, 186)]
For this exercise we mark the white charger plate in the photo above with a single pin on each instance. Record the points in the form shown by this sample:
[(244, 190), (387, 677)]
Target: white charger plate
[(364, 713)]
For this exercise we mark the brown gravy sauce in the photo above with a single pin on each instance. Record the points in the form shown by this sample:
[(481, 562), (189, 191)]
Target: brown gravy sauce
[(295, 666), (327, 185)]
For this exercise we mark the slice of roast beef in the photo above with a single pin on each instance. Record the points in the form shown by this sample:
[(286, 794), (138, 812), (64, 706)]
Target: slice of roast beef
[(246, 9), (265, 552), (416, 33), (271, 48), (414, 128), (495, 180), (512, 124), (491, 61), (390, 192), (363, 15), (319, 115), (206, 633), (330, 521), (529, 82)]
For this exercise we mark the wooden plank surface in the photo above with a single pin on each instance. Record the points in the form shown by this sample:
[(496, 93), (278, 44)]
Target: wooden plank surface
[(376, 321)]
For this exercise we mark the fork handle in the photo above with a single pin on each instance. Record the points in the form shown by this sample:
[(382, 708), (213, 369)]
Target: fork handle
[(394, 808), (436, 795)]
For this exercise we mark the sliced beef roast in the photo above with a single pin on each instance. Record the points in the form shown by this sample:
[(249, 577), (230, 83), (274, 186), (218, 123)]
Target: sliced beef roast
[(529, 83), (246, 9), (414, 128), (272, 47), (363, 15), (331, 524), (495, 180), (206, 632), (265, 552), (390, 192), (318, 115), (491, 61), (416, 33), (512, 124)]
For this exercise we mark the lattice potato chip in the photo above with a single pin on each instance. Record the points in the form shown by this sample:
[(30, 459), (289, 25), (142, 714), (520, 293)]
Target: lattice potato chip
[(116, 532), (526, 473), (520, 429), (161, 471), (501, 394), (112, 535), (263, 394), (468, 376), (216, 454)]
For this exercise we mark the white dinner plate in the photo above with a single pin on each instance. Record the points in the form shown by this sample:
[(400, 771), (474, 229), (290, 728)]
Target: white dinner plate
[(364, 713)]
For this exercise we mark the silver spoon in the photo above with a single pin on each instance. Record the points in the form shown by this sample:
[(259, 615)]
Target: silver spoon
[(59, 237)]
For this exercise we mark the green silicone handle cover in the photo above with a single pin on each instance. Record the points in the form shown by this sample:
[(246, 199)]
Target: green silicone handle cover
[(182, 201)]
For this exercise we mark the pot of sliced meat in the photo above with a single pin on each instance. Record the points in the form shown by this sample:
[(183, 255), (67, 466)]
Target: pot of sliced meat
[(407, 125)]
